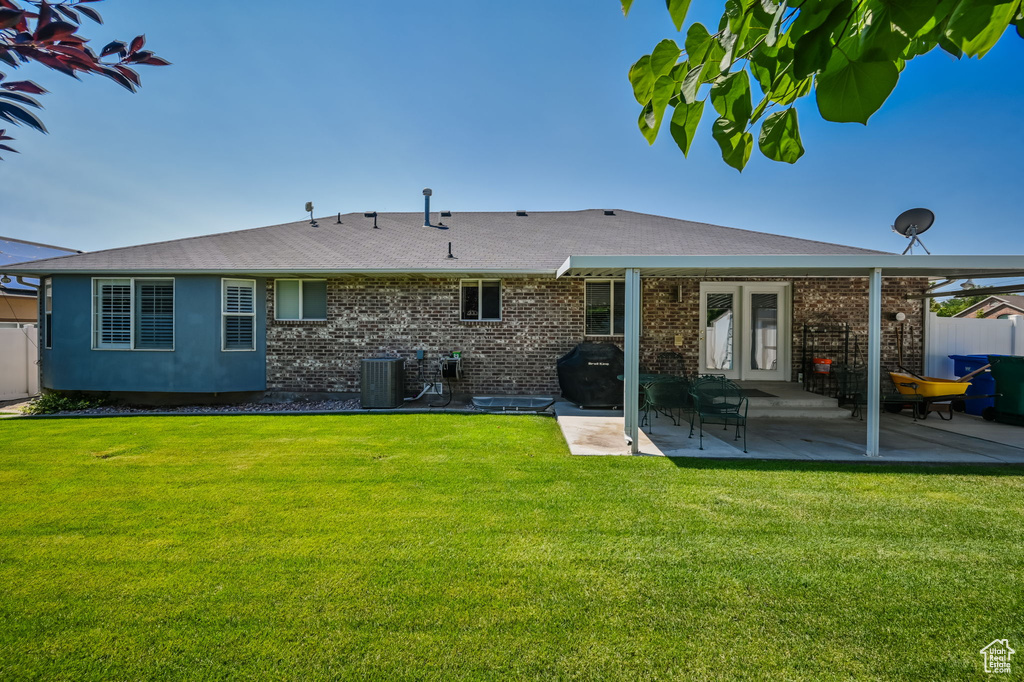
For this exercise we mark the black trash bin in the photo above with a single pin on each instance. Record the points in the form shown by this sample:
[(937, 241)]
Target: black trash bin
[(589, 375)]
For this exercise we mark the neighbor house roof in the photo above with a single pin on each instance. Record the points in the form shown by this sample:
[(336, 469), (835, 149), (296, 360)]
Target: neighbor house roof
[(1010, 300), (538, 242), (18, 251)]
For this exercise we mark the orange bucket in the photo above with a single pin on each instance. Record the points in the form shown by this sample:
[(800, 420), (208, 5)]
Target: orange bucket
[(821, 366)]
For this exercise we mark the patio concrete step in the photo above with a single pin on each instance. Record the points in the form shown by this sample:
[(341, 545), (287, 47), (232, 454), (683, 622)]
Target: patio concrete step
[(791, 412)]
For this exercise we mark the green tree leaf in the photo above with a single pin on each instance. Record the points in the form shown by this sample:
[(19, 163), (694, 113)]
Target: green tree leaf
[(664, 57), (677, 9), (975, 26), (855, 90), (626, 4), (642, 78), (780, 137), (734, 142), (731, 97), (649, 124), (683, 125), (691, 84)]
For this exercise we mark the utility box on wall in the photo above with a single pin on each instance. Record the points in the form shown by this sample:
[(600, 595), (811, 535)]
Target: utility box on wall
[(382, 383)]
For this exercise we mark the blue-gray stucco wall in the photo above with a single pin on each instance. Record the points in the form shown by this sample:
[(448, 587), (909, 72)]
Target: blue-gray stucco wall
[(196, 365)]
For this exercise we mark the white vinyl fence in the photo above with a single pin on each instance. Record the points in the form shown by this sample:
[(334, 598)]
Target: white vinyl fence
[(945, 336), (19, 373)]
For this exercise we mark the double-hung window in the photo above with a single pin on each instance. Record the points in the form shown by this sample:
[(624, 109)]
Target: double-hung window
[(300, 299), (605, 307), (238, 313), (48, 314), (130, 314), (480, 300)]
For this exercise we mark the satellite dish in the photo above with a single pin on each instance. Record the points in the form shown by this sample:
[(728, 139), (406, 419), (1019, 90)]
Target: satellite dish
[(913, 223)]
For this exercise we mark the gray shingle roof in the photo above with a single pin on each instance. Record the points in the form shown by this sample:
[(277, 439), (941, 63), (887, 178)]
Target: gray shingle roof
[(503, 242)]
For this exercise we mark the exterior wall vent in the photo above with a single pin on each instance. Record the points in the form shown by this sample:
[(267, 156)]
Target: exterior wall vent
[(382, 383)]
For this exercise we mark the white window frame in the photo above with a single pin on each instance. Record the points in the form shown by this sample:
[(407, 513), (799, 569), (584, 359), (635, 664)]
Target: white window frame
[(48, 314), (223, 314), (277, 316), (480, 299), (611, 305), (131, 346)]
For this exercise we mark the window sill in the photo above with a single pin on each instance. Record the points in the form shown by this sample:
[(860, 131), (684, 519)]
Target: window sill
[(297, 323), (483, 322)]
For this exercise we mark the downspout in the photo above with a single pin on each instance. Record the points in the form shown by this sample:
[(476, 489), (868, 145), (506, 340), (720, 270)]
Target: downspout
[(21, 280)]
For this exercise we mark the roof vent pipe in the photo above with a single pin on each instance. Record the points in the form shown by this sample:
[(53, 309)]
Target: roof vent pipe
[(427, 192)]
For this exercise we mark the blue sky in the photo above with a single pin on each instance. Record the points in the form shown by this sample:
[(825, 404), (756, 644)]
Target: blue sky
[(496, 106)]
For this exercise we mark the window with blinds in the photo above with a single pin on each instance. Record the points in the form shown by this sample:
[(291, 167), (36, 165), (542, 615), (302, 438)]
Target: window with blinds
[(300, 299), (605, 307), (131, 314), (112, 307), (239, 314), (154, 316)]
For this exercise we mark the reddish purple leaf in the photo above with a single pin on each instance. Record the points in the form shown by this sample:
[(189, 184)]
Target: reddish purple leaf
[(129, 74), (9, 18), (23, 86), (137, 44), (117, 46), (92, 14), (55, 30), (155, 61)]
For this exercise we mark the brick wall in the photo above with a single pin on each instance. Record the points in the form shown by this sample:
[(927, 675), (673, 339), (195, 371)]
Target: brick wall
[(542, 319)]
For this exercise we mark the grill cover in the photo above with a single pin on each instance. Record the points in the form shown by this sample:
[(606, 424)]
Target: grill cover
[(589, 375)]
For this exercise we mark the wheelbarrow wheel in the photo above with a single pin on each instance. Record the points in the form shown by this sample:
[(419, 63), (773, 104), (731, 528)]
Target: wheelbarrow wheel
[(958, 405), (989, 414)]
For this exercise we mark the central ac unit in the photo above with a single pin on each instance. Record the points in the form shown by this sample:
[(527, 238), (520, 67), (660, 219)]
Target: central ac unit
[(382, 383)]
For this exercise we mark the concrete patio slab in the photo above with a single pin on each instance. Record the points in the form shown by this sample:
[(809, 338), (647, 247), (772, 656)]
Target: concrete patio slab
[(592, 432)]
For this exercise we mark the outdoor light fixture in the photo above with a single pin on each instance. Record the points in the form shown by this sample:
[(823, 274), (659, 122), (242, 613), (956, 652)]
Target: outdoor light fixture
[(5, 280), (969, 284)]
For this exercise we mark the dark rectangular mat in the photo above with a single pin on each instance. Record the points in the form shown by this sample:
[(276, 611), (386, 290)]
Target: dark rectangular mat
[(758, 393)]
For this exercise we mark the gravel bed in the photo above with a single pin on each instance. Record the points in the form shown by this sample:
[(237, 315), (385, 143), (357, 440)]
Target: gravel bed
[(303, 406)]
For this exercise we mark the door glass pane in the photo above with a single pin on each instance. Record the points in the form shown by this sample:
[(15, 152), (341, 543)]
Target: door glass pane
[(764, 331), (718, 331)]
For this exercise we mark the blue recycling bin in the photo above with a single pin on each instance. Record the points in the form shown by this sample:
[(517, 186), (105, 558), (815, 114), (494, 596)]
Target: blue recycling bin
[(981, 384)]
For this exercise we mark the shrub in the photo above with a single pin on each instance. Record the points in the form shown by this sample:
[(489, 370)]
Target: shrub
[(55, 401)]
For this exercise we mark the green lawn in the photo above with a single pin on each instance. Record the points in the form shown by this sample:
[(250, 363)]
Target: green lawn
[(430, 546)]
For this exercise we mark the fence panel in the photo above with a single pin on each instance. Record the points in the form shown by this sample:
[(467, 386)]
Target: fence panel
[(19, 377), (968, 336)]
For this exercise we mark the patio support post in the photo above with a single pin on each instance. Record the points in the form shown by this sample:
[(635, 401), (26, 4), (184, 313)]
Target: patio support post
[(631, 351), (874, 359)]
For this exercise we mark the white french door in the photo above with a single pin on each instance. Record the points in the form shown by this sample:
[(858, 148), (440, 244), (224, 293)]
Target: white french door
[(744, 330)]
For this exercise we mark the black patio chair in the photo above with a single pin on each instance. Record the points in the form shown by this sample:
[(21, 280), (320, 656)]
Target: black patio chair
[(670, 398), (852, 387), (717, 400)]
